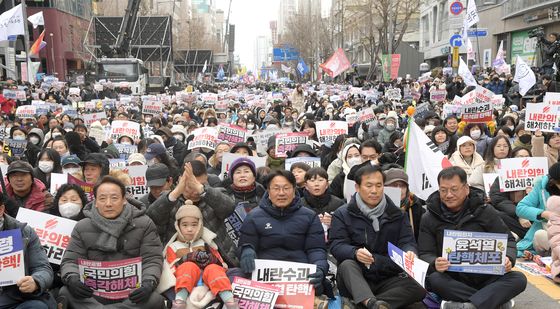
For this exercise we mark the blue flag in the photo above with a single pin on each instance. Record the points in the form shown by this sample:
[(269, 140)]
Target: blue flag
[(221, 73), (302, 67)]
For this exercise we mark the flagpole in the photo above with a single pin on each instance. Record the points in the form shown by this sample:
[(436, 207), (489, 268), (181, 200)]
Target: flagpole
[(26, 38), (477, 45)]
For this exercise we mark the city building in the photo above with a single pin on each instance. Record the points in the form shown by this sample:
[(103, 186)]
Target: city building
[(288, 8), (263, 52)]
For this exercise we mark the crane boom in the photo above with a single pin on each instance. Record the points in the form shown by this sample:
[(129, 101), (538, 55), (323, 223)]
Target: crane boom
[(124, 38)]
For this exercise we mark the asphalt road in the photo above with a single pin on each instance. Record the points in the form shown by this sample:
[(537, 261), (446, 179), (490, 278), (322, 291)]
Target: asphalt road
[(541, 292)]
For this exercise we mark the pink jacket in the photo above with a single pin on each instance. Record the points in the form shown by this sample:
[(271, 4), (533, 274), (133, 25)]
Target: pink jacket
[(553, 230)]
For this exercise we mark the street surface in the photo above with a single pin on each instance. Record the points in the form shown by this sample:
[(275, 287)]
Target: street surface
[(541, 292)]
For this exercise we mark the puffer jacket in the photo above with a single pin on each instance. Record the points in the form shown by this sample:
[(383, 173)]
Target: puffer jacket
[(216, 206), (250, 198), (292, 234), (138, 239), (457, 159), (553, 232), (39, 199), (352, 230), (35, 262), (477, 217)]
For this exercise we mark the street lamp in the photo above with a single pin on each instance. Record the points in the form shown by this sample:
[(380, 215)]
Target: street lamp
[(52, 54)]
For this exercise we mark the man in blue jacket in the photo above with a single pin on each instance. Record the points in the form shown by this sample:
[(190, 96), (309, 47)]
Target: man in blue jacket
[(358, 239), (280, 228)]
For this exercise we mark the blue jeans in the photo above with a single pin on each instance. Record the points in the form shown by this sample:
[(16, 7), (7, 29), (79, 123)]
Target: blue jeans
[(32, 304)]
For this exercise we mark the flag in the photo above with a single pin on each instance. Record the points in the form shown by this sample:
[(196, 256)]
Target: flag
[(524, 76), (302, 67), (221, 73), (466, 74), (499, 61), (336, 64), (471, 17), (12, 23), (37, 20), (286, 68), (204, 67), (470, 50), (422, 175), (37, 46)]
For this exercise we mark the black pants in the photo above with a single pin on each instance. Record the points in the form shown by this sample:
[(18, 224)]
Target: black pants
[(488, 293), (397, 291), (513, 224)]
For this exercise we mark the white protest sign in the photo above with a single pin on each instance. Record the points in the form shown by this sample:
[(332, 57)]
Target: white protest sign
[(138, 183), (74, 91), (124, 127), (478, 112), (311, 161), (393, 94), (541, 116), (438, 95), (209, 97), (205, 137), (26, 111), (328, 131), (228, 158), (552, 98), (54, 232), (488, 179), (11, 253), (519, 173), (90, 118), (366, 115), (151, 107), (415, 268), (394, 195), (287, 142), (57, 180)]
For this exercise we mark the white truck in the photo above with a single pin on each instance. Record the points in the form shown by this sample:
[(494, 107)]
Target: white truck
[(129, 70)]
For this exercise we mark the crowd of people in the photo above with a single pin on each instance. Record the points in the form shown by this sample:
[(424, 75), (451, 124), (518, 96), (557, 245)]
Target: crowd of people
[(334, 210)]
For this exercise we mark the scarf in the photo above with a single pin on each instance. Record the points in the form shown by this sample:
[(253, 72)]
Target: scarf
[(317, 202), (111, 229), (372, 213), (443, 146), (243, 189)]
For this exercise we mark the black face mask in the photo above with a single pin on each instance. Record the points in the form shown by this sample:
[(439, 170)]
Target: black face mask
[(525, 138)]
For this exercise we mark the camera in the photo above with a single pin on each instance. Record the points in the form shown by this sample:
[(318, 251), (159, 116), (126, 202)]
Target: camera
[(536, 33)]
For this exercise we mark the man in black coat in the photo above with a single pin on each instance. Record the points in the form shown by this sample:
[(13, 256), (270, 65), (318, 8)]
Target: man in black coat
[(359, 234), (457, 207)]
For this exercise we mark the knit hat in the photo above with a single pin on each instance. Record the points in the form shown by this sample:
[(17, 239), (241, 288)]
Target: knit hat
[(188, 210), (554, 171), (240, 162), (136, 157), (393, 175)]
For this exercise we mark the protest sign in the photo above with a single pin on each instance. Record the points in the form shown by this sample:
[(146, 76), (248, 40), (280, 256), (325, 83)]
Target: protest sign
[(17, 147), (415, 268), (42, 109), (311, 161), (482, 94), (475, 252), (488, 179), (393, 193), (137, 174), (14, 94), (231, 133), (205, 137), (451, 109), (438, 95), (261, 139), (126, 150), (86, 186), (421, 110), (228, 158), (125, 127), (221, 106), (151, 107), (111, 279), (26, 111), (478, 112), (209, 97), (11, 254), (234, 221), (70, 111), (90, 118), (117, 164), (287, 142), (57, 180), (520, 173), (74, 91), (541, 116), (328, 131), (252, 294), (54, 232), (291, 278), (393, 94), (498, 101), (366, 115), (552, 98)]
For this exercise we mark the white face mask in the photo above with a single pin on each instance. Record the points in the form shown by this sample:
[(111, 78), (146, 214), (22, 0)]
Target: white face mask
[(71, 170), (178, 137), (126, 143), (35, 140), (19, 137), (46, 166), (354, 161), (56, 134), (475, 134), (250, 126), (69, 210)]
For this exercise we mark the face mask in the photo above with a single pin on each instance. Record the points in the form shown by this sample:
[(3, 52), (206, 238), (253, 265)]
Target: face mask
[(46, 166), (71, 170), (56, 134), (390, 127), (510, 127), (147, 119), (354, 161), (250, 126), (19, 138), (178, 137), (382, 123), (525, 138), (69, 210), (35, 140), (475, 134), (126, 143)]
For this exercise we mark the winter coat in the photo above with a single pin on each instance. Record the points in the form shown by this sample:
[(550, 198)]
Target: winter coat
[(336, 187), (91, 145), (35, 262), (334, 169), (292, 234), (540, 149), (250, 198), (215, 206), (529, 208), (138, 239), (39, 199), (385, 135), (477, 217), (333, 203), (178, 149), (482, 143), (503, 201), (553, 231), (457, 159), (374, 129)]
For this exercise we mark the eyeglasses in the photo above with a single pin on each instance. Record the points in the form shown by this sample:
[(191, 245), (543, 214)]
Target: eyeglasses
[(286, 189), (453, 190)]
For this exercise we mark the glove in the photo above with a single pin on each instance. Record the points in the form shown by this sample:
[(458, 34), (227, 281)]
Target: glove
[(142, 294), (317, 281), (247, 263), (77, 288)]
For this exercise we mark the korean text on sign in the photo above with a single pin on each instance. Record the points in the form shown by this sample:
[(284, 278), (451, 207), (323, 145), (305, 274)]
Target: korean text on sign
[(520, 173), (111, 280), (11, 257), (252, 294)]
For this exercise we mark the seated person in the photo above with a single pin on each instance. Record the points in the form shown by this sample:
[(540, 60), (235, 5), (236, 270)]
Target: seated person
[(456, 206)]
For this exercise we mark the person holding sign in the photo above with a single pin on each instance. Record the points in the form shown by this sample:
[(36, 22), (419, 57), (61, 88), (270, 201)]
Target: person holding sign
[(456, 206), (113, 230), (358, 240), (30, 290), (547, 145)]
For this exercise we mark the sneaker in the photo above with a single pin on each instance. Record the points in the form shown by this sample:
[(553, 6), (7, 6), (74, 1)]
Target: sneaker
[(179, 304), (508, 305), (377, 304), (456, 305)]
